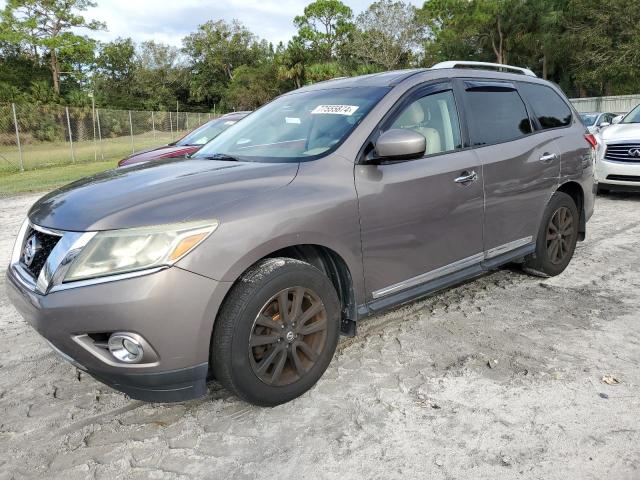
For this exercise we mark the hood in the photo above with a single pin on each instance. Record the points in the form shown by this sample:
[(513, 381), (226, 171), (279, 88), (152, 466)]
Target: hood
[(155, 193), (621, 131), (168, 151)]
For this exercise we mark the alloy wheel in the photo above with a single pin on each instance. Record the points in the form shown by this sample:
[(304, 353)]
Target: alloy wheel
[(288, 336), (560, 232)]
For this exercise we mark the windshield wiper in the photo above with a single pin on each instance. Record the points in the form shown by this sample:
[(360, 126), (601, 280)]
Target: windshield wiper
[(218, 156)]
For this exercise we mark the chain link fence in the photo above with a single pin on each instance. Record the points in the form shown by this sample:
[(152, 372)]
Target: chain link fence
[(40, 136)]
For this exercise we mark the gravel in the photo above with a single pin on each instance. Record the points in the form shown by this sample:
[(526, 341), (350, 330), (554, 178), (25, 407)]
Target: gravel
[(498, 378)]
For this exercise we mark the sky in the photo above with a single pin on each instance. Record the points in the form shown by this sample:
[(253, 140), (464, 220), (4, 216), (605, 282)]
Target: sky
[(169, 21)]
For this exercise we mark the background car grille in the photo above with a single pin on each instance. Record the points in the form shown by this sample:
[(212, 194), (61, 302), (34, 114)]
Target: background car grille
[(624, 178), (619, 152), (47, 242)]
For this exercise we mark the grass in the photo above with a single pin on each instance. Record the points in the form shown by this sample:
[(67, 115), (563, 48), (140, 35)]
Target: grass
[(49, 165), (48, 178), (47, 154)]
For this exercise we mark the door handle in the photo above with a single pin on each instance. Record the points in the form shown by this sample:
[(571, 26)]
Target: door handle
[(548, 157), (467, 177)]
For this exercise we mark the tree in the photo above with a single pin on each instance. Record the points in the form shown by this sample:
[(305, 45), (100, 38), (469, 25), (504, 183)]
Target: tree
[(325, 25), (387, 34), (252, 87), (605, 46), (49, 26), (215, 50), (162, 76), (115, 74), (471, 29), (291, 62)]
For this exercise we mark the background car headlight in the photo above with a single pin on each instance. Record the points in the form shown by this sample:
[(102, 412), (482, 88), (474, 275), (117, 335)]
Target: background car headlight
[(121, 251)]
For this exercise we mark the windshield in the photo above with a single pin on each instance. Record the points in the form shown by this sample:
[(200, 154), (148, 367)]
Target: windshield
[(633, 116), (589, 119), (296, 127), (206, 132)]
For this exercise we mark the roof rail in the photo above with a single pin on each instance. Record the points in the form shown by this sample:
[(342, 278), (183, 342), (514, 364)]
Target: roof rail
[(497, 66)]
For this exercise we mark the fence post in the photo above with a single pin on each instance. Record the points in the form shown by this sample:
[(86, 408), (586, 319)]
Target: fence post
[(73, 157), (93, 117), (15, 122), (153, 125), (99, 134), (133, 150), (171, 124)]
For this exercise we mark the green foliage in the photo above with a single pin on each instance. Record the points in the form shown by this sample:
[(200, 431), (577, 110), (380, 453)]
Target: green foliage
[(325, 27), (251, 87), (46, 28), (215, 50), (587, 46), (387, 35), (606, 45)]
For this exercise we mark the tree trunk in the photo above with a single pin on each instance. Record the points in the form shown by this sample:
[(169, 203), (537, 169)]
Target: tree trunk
[(498, 49), (544, 66), (55, 71)]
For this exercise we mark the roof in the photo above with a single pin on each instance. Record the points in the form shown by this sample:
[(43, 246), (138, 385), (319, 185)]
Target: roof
[(383, 79), (395, 77)]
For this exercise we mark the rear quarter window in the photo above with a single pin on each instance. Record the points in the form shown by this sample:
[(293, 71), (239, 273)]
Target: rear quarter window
[(548, 107)]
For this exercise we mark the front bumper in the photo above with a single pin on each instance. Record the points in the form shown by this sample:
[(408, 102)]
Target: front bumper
[(617, 174), (172, 309)]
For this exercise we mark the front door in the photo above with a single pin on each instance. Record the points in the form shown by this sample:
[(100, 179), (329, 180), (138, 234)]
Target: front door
[(421, 219)]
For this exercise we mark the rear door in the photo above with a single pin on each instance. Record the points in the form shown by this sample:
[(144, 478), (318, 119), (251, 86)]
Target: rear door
[(521, 167)]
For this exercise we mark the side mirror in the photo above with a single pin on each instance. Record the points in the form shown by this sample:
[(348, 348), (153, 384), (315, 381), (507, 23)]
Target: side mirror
[(604, 124), (400, 144)]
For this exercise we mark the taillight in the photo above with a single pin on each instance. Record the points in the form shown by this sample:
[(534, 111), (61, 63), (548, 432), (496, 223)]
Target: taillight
[(590, 137)]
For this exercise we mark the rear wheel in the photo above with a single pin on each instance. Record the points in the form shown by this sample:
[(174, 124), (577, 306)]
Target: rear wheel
[(557, 237), (276, 332)]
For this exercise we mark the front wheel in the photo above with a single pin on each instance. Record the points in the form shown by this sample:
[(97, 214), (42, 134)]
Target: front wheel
[(557, 238), (276, 332)]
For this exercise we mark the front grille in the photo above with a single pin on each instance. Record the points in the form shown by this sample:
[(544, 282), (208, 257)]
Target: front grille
[(44, 243), (624, 178), (619, 152)]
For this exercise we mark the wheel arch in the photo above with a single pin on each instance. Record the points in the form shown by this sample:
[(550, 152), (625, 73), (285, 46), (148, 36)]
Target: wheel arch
[(329, 262), (575, 191)]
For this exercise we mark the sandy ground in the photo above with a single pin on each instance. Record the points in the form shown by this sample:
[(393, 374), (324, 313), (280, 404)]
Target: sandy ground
[(498, 378)]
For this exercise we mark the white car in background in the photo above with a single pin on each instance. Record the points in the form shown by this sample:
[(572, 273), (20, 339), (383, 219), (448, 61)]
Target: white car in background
[(618, 154), (594, 121)]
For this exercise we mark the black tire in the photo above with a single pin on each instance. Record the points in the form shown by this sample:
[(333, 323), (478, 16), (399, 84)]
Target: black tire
[(556, 239), (240, 367)]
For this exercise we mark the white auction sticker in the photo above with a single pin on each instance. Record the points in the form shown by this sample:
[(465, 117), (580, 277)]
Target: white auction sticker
[(335, 110)]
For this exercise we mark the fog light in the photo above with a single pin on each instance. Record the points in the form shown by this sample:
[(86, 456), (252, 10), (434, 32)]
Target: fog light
[(125, 348)]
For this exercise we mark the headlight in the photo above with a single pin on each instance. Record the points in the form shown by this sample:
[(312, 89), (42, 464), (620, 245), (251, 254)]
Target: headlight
[(121, 251)]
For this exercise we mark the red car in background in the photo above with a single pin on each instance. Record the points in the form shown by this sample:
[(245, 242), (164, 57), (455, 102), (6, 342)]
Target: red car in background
[(190, 143)]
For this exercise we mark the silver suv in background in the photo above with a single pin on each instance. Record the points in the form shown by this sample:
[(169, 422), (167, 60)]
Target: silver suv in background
[(331, 203)]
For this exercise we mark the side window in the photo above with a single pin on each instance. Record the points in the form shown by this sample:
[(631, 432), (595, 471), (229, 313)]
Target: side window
[(434, 116), (496, 116), (548, 106)]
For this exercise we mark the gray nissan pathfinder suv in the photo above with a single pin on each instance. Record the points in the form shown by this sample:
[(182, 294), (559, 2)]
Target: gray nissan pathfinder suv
[(341, 199)]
